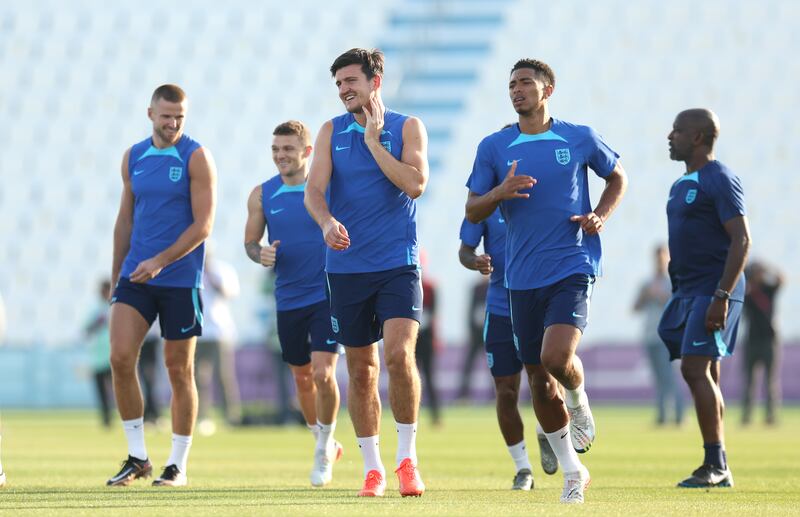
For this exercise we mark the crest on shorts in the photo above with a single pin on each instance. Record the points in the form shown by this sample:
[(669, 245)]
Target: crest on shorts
[(175, 173), (334, 325), (490, 359), (387, 144), (691, 196), (562, 156)]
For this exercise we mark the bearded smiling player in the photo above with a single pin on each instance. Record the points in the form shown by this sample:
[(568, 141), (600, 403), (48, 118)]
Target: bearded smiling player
[(375, 162)]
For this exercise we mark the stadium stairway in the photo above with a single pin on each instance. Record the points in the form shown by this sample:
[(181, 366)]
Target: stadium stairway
[(437, 46)]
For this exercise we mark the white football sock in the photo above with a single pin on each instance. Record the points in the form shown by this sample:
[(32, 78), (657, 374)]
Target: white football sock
[(371, 454), (576, 397), (519, 453), (325, 436), (134, 432), (562, 447), (406, 442), (314, 430), (180, 451)]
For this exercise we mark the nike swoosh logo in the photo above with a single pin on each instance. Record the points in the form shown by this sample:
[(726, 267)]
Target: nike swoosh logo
[(563, 436), (670, 198), (330, 341), (511, 162), (136, 173), (698, 343), (415, 308), (501, 220), (273, 211), (342, 148), (187, 329), (576, 315)]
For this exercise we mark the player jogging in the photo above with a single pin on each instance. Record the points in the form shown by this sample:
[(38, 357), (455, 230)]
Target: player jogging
[(553, 251), (498, 338), (297, 252)]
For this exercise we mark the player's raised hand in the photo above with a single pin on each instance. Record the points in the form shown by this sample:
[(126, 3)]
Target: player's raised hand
[(374, 119), (483, 263), (269, 254), (146, 271), (336, 235), (513, 183), (591, 224)]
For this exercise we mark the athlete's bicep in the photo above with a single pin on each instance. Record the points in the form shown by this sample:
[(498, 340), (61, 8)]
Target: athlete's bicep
[(203, 186), (601, 157), (254, 227), (738, 229), (319, 176), (415, 145), (617, 174), (483, 178)]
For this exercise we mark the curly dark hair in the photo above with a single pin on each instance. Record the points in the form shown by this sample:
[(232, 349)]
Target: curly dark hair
[(542, 69)]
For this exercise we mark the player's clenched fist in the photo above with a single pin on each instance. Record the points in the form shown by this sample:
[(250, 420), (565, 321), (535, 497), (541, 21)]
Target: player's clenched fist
[(483, 263), (268, 254)]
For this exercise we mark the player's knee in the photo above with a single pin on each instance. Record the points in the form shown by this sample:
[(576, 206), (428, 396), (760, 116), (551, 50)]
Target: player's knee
[(555, 364), (507, 394), (401, 359), (180, 371), (364, 375), (543, 387), (122, 361), (323, 376)]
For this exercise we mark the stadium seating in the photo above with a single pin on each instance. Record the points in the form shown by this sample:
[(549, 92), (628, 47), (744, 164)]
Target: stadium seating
[(76, 81)]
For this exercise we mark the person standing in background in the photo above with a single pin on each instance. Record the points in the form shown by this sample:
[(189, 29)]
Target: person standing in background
[(709, 238), (653, 296), (475, 319), (97, 337), (762, 345), (428, 341), (214, 358)]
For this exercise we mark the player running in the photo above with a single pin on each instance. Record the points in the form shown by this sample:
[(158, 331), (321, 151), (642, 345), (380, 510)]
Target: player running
[(553, 251), (297, 252)]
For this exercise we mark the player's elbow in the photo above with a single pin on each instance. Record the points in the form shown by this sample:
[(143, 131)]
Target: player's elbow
[(472, 214), (204, 229), (415, 191), (746, 241)]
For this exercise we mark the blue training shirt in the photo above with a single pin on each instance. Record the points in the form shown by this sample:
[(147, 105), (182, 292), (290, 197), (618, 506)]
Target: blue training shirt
[(162, 210), (493, 232), (300, 258), (543, 246), (380, 218), (699, 204)]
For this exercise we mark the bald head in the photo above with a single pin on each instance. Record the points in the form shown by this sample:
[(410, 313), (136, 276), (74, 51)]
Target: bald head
[(703, 121)]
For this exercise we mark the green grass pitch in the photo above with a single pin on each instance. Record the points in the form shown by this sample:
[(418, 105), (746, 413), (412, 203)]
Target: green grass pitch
[(57, 463)]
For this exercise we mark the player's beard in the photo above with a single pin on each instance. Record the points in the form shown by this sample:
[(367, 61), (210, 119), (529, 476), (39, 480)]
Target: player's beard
[(166, 137), (355, 108)]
